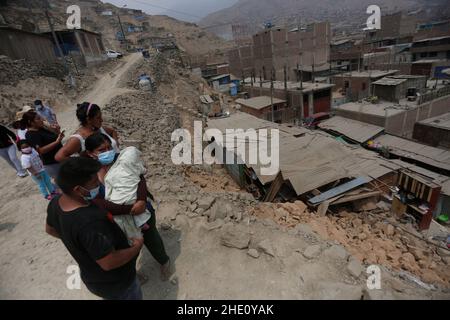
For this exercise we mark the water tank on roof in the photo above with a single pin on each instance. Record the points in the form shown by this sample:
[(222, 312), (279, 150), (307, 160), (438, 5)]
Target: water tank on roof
[(411, 94)]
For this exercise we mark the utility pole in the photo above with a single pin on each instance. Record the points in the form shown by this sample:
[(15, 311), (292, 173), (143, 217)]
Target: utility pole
[(36, 24), (301, 70), (313, 69), (271, 94), (120, 23), (55, 38)]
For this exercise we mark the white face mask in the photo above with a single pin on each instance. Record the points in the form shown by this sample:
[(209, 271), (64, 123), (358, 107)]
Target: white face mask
[(27, 150)]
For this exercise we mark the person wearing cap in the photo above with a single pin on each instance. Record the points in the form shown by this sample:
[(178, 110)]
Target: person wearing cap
[(46, 113)]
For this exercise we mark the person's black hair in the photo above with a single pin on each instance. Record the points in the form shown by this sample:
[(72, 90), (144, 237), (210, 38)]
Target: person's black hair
[(27, 118), (84, 112), (96, 140), (37, 102), (20, 143), (18, 124), (76, 172)]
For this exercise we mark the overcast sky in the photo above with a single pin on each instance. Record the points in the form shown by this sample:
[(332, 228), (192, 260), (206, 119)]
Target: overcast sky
[(188, 10)]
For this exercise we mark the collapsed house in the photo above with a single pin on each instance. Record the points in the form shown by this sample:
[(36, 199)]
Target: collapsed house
[(324, 171)]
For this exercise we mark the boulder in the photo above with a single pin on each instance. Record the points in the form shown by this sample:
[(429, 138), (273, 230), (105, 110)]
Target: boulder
[(312, 252), (235, 237), (266, 247), (336, 252), (253, 253)]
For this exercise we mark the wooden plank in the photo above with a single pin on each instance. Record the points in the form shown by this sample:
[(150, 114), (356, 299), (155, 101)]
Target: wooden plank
[(356, 197)]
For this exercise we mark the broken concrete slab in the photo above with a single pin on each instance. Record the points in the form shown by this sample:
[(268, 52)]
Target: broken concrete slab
[(235, 237), (355, 268), (378, 294), (253, 253), (312, 252), (205, 202), (217, 224), (266, 247), (304, 228), (221, 209), (336, 291), (336, 252)]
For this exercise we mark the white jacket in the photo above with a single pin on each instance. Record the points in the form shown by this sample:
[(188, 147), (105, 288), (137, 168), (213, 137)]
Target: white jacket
[(121, 185)]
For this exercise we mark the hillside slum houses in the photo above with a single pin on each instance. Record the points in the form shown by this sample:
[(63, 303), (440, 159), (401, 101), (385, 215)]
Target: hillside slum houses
[(325, 171), (84, 47)]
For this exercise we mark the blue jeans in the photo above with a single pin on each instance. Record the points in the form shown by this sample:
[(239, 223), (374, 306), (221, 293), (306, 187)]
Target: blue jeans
[(44, 183), (133, 292)]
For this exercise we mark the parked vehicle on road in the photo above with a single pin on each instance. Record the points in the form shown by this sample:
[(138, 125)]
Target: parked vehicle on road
[(113, 54)]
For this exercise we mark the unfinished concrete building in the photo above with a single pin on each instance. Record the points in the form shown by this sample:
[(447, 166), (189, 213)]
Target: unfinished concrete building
[(357, 85), (282, 54), (85, 46), (396, 118), (303, 99), (432, 41), (434, 131)]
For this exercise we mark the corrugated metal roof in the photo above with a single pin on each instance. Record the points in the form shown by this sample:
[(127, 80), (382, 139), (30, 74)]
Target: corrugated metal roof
[(435, 157), (389, 81), (309, 159), (220, 77), (443, 181), (352, 129), (259, 102)]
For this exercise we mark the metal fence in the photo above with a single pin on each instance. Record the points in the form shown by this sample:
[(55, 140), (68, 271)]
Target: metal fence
[(434, 95)]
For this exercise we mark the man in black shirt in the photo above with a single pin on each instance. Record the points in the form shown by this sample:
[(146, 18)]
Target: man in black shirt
[(107, 262), (8, 150)]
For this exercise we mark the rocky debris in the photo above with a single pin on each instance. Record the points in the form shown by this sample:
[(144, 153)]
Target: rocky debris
[(216, 224), (383, 206), (222, 209), (336, 291), (312, 252), (389, 230), (354, 267), (377, 294), (157, 67), (165, 226), (266, 247), (235, 236), (205, 202), (12, 71), (336, 252), (253, 253)]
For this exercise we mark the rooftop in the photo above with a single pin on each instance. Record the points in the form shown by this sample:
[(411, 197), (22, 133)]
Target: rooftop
[(308, 159), (442, 121), (307, 86), (352, 129), (382, 108), (368, 74), (387, 81), (259, 102), (436, 157)]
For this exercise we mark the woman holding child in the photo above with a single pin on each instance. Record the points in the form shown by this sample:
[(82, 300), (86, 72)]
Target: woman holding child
[(99, 147)]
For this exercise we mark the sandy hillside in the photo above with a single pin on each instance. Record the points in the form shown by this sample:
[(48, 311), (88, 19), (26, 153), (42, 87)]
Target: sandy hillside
[(222, 243)]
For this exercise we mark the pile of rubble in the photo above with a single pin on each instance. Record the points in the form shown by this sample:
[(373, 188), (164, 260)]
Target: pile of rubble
[(12, 71), (371, 237), (157, 67)]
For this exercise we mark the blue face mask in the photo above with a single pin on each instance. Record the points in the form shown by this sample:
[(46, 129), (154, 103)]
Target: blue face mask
[(106, 158), (92, 193)]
